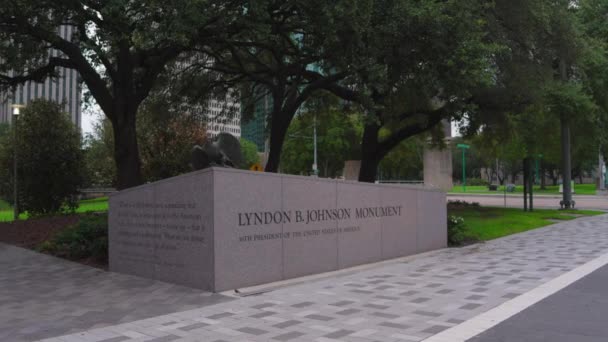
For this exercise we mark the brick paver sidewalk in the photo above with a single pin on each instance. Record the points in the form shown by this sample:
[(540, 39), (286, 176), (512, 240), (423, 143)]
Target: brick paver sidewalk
[(42, 296), (401, 301)]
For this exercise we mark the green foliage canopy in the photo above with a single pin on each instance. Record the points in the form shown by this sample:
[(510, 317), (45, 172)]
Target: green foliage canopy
[(338, 134), (166, 137), (412, 64), (249, 151), (120, 48), (50, 160)]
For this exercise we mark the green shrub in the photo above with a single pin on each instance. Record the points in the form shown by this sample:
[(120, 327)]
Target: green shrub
[(86, 239), (50, 166), (456, 204), (250, 154), (456, 231), (477, 182)]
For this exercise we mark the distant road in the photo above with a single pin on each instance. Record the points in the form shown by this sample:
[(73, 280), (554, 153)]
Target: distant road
[(540, 201)]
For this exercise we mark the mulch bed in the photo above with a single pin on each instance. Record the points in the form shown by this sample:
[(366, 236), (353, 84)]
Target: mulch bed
[(31, 233)]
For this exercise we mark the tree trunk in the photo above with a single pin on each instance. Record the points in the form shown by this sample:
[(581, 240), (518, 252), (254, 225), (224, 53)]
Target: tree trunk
[(500, 173), (526, 183), (368, 170), (369, 154), (543, 180), (565, 140), (126, 151), (278, 130), (566, 166), (488, 172), (554, 177)]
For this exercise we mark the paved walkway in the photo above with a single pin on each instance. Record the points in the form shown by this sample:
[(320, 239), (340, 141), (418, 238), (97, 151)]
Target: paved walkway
[(42, 296), (577, 313), (540, 201), (402, 301)]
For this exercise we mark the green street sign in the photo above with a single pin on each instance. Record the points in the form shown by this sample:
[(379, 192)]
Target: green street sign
[(463, 146)]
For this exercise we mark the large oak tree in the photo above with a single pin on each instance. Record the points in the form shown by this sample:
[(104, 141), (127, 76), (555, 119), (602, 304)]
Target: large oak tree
[(279, 44), (411, 65), (119, 48), (407, 64)]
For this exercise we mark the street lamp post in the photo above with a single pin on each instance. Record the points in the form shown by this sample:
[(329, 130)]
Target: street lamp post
[(16, 111), (464, 148)]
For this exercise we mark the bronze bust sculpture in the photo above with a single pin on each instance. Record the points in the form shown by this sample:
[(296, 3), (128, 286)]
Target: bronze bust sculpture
[(224, 151)]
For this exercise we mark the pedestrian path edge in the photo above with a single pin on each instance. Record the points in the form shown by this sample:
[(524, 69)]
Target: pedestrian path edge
[(493, 317)]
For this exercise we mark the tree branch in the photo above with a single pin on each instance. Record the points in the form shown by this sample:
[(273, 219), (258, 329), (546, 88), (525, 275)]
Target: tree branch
[(37, 75), (91, 77), (84, 39), (319, 83), (432, 119), (341, 91)]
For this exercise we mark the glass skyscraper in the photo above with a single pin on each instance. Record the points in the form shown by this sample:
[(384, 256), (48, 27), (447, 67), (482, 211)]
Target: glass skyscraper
[(254, 129)]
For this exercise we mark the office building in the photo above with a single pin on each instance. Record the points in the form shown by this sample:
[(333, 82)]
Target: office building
[(65, 88), (223, 115)]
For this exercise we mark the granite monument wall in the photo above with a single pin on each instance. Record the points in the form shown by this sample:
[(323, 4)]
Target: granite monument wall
[(220, 229)]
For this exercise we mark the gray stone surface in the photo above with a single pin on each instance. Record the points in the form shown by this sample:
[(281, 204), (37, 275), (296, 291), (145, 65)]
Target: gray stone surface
[(431, 214), (310, 254), (397, 234), (351, 170), (245, 262), (398, 301), (438, 167), (259, 228), (576, 313), (42, 296), (365, 245), (165, 231)]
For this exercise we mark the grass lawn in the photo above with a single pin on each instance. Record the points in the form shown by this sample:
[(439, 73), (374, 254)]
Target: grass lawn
[(85, 206), (96, 204), (4, 205), (487, 223), (579, 189)]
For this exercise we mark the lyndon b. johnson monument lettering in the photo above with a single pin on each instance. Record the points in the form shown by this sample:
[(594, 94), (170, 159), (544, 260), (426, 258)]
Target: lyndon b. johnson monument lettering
[(310, 216), (314, 215), (220, 229)]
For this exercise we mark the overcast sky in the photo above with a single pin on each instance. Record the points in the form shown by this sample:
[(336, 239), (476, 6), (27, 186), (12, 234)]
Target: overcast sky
[(87, 122)]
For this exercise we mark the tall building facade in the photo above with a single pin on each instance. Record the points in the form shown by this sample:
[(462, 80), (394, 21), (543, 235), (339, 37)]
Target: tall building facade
[(223, 115), (65, 89)]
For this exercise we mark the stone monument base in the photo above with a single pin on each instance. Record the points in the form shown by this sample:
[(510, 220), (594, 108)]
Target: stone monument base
[(221, 229)]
